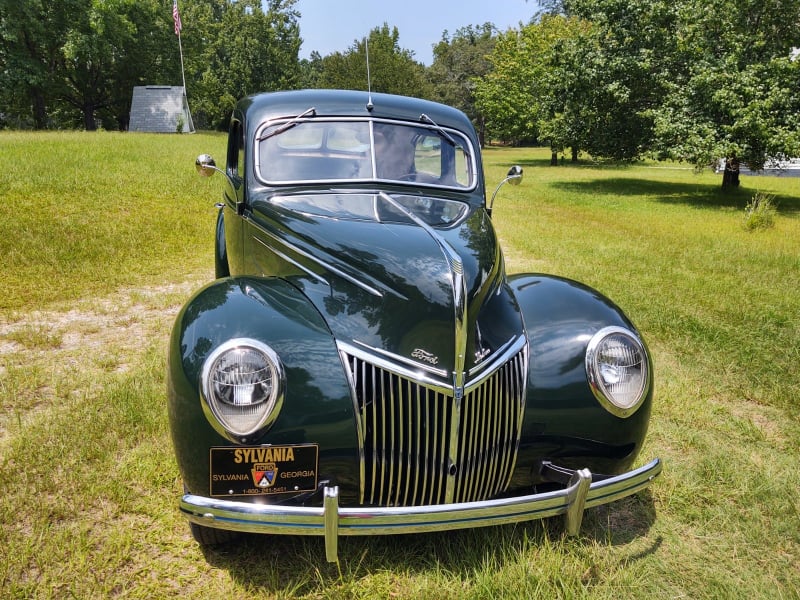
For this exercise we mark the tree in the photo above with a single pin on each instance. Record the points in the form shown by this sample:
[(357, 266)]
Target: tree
[(565, 115), (150, 57), (509, 94), (457, 63), (625, 63), (76, 63), (733, 90), (32, 33), (393, 70), (234, 49), (311, 71), (115, 45), (693, 81)]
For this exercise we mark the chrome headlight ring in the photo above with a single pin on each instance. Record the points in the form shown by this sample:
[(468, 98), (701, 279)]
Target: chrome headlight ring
[(618, 369), (242, 386)]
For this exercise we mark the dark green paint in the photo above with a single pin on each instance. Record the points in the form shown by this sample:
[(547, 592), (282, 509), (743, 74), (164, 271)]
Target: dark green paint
[(563, 421), (317, 406)]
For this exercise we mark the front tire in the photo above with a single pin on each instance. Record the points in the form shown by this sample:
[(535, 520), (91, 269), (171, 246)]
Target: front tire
[(208, 537)]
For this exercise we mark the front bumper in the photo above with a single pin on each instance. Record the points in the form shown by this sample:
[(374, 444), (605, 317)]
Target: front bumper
[(330, 520)]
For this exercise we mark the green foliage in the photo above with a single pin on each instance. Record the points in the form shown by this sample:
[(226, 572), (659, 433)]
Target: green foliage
[(679, 80), (732, 88), (760, 212), (234, 49), (686, 80), (616, 65), (509, 94), (457, 62), (565, 85), (32, 33), (393, 70), (75, 63)]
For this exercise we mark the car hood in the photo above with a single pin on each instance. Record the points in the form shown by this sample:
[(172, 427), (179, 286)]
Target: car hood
[(428, 296)]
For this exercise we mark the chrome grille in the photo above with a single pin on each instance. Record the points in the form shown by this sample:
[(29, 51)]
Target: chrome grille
[(420, 446)]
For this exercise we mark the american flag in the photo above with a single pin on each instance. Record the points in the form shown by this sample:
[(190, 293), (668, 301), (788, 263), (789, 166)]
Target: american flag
[(176, 17)]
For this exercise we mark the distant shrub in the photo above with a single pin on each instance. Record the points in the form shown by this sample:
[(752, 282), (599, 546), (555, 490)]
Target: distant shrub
[(760, 212)]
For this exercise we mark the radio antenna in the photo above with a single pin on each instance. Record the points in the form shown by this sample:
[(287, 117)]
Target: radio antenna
[(370, 105)]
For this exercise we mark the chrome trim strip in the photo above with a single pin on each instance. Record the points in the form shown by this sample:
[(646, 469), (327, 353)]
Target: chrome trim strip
[(348, 371), (389, 362), (323, 520), (469, 150), (327, 266), (496, 356), (288, 259), (502, 356)]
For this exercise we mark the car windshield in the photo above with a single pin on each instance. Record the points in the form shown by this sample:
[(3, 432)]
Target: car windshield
[(436, 212), (363, 150)]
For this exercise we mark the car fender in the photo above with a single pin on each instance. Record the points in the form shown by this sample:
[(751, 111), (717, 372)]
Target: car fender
[(317, 407), (564, 422)]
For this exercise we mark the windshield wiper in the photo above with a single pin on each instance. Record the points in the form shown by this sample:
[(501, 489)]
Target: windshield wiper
[(426, 119), (289, 124)]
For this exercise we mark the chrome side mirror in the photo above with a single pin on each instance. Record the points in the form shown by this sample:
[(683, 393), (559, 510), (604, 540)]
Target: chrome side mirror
[(205, 165), (514, 177)]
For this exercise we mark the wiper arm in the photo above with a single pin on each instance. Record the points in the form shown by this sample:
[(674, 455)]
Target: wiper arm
[(426, 119), (289, 124)]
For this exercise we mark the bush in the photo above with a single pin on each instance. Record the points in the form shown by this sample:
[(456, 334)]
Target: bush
[(760, 212)]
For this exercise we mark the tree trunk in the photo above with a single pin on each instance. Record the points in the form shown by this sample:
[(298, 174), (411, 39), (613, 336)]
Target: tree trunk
[(88, 117), (482, 131), (730, 176), (39, 110), (574, 154), (553, 159)]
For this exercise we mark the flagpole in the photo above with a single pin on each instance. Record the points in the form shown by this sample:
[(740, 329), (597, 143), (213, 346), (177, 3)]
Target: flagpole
[(178, 27)]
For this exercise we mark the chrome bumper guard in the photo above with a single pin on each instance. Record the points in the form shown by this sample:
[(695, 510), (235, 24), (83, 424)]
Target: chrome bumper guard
[(330, 520)]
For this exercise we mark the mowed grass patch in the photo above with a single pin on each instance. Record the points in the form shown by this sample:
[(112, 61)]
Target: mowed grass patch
[(90, 487), (667, 245), (86, 212), (719, 308)]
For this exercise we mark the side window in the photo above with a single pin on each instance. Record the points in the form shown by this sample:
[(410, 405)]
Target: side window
[(438, 161), (428, 155), (236, 150), (240, 154)]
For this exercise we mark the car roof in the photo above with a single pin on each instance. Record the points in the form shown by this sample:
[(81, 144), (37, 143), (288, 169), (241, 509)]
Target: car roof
[(331, 103)]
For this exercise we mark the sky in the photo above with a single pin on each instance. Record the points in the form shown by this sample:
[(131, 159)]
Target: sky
[(333, 25)]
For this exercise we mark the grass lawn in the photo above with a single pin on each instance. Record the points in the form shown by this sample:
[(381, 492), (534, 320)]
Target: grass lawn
[(103, 237)]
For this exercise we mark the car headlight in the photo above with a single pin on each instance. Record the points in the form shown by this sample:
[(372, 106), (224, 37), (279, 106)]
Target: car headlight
[(242, 388), (618, 369)]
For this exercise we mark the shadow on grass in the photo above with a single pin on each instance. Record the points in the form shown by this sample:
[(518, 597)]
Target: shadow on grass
[(293, 565), (544, 163), (697, 195)]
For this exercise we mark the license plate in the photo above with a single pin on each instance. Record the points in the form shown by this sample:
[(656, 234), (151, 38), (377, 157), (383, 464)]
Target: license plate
[(263, 470)]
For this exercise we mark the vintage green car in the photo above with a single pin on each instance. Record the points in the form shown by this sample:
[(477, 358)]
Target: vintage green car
[(364, 365)]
